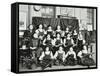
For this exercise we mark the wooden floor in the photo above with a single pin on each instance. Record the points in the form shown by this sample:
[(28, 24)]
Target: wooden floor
[(34, 68)]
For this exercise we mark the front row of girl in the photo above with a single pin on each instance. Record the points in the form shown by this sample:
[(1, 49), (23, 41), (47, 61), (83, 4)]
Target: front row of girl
[(47, 59)]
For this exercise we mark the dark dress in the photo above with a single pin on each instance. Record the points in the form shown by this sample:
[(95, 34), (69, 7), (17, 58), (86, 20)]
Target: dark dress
[(59, 59), (27, 37), (86, 60), (58, 44), (70, 60), (28, 34), (41, 33), (34, 42), (63, 38), (75, 38), (80, 45), (47, 61), (58, 41), (68, 45), (48, 42)]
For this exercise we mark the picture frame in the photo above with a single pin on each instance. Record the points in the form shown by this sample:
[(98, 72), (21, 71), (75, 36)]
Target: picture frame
[(21, 19)]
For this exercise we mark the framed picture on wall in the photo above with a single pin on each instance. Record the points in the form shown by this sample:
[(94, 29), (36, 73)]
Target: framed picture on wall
[(53, 37)]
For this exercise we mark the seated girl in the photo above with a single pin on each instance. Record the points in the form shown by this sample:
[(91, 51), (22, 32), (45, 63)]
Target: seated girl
[(75, 40), (66, 31), (46, 58), (53, 45), (58, 42), (34, 41), (68, 42), (34, 47), (40, 31), (84, 57), (59, 56), (58, 31), (70, 57), (29, 33), (47, 41), (75, 36), (80, 43), (50, 31)]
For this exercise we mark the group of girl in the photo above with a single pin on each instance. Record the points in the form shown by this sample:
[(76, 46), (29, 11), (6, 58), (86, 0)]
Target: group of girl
[(47, 47)]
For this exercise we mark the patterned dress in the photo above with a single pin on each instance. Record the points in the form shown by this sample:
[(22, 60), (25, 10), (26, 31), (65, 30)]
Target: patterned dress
[(41, 33), (86, 60), (68, 44), (80, 45), (60, 58), (58, 43), (47, 61), (70, 60)]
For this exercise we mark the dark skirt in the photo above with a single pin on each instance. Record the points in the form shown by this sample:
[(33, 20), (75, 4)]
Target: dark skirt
[(54, 49), (70, 60), (80, 45), (46, 63), (86, 60), (59, 61)]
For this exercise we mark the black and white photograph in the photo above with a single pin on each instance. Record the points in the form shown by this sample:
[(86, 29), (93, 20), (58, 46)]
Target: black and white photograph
[(54, 37)]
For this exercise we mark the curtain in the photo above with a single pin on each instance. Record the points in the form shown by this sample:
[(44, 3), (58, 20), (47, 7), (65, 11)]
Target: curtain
[(71, 23)]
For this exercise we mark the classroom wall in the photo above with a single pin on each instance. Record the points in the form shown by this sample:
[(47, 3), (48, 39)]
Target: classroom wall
[(80, 13)]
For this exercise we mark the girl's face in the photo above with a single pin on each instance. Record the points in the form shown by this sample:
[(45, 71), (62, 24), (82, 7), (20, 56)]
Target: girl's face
[(58, 27), (71, 49), (49, 28), (47, 48), (60, 48), (48, 36), (67, 29), (31, 27), (40, 26)]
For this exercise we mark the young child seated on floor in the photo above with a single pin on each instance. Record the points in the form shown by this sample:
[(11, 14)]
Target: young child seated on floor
[(46, 58), (70, 57), (59, 56), (84, 57)]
